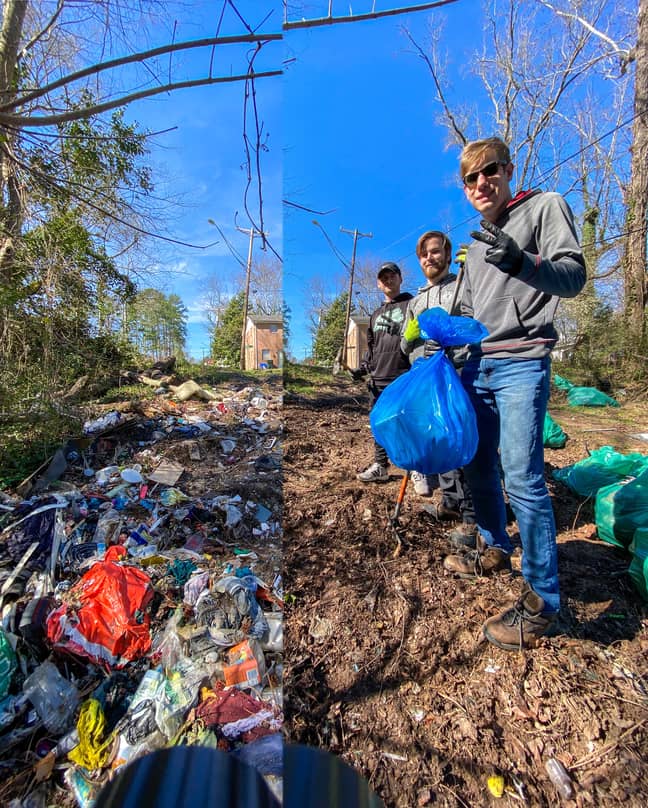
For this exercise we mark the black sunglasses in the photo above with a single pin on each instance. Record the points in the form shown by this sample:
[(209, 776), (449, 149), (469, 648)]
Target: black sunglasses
[(489, 170)]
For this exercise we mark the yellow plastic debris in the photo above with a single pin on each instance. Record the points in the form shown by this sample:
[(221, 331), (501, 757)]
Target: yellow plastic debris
[(496, 785), (93, 750)]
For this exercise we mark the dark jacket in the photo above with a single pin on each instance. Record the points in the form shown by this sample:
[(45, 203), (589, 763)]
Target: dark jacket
[(518, 311), (384, 359)]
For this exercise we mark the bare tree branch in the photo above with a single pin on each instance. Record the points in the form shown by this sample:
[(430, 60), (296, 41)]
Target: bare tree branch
[(374, 15), (439, 89), (137, 57), (625, 54), (11, 119), (43, 31)]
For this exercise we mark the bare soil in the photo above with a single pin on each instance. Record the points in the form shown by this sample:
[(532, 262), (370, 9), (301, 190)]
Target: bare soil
[(385, 662)]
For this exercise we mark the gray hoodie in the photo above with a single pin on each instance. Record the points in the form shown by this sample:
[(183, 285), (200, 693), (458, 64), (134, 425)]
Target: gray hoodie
[(428, 297), (518, 311)]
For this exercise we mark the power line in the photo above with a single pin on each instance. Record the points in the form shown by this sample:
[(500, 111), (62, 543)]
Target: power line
[(334, 249), (542, 177)]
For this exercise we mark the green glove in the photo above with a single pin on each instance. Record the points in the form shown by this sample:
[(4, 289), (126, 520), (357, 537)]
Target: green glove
[(412, 330), (460, 256)]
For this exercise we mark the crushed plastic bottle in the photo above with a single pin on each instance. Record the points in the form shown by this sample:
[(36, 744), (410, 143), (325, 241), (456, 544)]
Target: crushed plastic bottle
[(53, 696), (107, 527), (560, 778)]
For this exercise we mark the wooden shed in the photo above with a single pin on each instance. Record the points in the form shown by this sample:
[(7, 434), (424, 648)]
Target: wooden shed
[(263, 341)]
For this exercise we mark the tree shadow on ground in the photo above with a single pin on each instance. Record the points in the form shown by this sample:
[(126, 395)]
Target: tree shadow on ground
[(591, 574)]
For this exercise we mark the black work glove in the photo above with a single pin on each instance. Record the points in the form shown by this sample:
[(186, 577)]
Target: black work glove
[(430, 347), (357, 373), (502, 251)]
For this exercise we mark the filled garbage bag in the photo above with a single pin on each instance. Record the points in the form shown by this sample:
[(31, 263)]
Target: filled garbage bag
[(562, 383), (424, 418), (8, 663), (104, 617), (448, 329), (622, 508), (638, 569), (604, 466), (589, 397), (553, 435)]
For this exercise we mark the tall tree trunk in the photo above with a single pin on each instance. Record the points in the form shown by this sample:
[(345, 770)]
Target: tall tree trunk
[(636, 287), (10, 211)]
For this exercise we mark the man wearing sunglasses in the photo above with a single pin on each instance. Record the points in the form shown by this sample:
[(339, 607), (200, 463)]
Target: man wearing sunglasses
[(524, 258)]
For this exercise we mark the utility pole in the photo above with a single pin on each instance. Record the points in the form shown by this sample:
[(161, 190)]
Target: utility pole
[(356, 235), (252, 232)]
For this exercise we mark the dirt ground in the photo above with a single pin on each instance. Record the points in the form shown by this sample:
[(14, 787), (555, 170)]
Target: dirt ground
[(385, 665)]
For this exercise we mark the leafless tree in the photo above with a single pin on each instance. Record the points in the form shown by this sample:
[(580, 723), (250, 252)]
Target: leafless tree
[(266, 287), (566, 109), (50, 75)]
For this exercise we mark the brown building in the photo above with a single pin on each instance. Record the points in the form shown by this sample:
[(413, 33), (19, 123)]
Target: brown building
[(356, 340), (263, 341)]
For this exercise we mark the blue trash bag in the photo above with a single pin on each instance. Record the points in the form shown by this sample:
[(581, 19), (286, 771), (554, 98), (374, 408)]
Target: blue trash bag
[(448, 329), (424, 419)]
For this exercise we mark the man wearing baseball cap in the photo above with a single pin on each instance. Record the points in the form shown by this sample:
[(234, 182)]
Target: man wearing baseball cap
[(384, 361)]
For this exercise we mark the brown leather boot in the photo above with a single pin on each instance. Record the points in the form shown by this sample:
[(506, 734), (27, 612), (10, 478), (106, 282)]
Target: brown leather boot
[(522, 625), (476, 563)]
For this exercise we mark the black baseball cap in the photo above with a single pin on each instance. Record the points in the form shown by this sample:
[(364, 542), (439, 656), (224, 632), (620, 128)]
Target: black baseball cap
[(389, 266)]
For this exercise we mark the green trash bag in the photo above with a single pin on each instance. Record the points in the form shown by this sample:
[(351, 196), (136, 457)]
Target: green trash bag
[(553, 435), (620, 509), (562, 384), (8, 663), (604, 466), (638, 569), (589, 397)]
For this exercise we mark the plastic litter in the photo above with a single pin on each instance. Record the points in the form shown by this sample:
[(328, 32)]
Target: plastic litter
[(93, 749), (560, 778), (562, 383), (53, 696), (106, 421), (495, 785), (132, 475), (104, 617), (92, 552), (8, 663)]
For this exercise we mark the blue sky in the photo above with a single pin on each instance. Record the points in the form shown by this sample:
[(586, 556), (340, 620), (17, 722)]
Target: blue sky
[(361, 139), (352, 129), (200, 161)]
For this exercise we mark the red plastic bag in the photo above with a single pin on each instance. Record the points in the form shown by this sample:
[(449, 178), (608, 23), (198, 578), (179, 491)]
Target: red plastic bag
[(105, 618)]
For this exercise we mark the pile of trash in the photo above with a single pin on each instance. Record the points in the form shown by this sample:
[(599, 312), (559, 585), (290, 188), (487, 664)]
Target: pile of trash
[(141, 597), (619, 485)]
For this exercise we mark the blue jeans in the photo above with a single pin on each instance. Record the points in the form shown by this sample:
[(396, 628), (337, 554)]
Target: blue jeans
[(510, 400)]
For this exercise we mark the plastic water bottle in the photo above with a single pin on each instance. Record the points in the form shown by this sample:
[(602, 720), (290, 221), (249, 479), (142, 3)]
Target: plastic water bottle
[(54, 698), (107, 526), (560, 778)]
